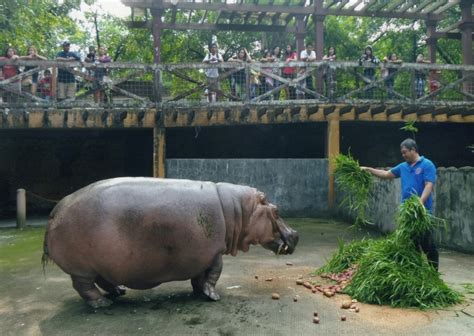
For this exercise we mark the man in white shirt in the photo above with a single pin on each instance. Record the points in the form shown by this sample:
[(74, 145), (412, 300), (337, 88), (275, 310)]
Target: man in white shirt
[(308, 55), (212, 74)]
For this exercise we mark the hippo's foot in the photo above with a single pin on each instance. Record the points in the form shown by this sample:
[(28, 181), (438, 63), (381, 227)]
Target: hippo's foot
[(99, 303), (210, 291), (112, 290), (205, 283), (89, 292)]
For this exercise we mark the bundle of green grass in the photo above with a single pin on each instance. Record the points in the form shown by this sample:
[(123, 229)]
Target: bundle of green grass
[(355, 184), (392, 270)]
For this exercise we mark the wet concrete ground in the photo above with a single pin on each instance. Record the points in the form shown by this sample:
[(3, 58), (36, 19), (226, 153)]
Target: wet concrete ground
[(32, 303)]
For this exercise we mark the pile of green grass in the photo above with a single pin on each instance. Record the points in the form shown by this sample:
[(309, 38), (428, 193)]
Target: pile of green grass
[(355, 184), (392, 270)]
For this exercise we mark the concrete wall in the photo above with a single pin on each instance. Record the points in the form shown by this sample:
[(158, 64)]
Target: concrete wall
[(298, 186), (453, 201)]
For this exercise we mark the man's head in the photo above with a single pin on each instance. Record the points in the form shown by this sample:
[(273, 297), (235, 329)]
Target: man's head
[(213, 48), (66, 45), (409, 150), (91, 50), (309, 47), (47, 73)]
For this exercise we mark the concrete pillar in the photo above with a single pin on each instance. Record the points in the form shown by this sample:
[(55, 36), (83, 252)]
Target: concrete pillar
[(159, 152), (333, 149), (20, 208)]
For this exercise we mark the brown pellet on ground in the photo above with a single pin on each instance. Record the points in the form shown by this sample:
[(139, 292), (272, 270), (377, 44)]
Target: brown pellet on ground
[(316, 320), (315, 313), (343, 317), (275, 296), (299, 281)]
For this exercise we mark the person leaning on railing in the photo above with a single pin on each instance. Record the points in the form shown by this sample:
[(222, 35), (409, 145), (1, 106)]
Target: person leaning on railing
[(329, 74), (66, 79), (212, 74), (420, 77), (100, 75), (368, 60), (32, 54), (9, 71), (290, 72), (386, 72)]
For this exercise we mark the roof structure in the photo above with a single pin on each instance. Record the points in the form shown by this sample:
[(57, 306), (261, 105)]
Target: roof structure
[(282, 15)]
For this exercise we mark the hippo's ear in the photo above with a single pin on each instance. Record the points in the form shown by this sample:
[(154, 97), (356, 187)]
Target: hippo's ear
[(262, 199)]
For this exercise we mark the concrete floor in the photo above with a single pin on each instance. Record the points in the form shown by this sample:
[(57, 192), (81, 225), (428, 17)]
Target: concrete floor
[(35, 304)]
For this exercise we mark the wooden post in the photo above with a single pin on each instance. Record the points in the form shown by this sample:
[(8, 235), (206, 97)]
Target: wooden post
[(156, 31), (431, 40), (20, 208), (159, 152), (300, 34), (333, 148), (466, 40), (318, 20), (54, 82)]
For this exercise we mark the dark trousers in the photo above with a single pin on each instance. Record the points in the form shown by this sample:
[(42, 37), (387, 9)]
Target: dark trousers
[(427, 244)]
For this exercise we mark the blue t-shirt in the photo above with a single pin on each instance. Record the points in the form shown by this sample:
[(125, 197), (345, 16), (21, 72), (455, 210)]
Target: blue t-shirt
[(65, 76), (413, 178)]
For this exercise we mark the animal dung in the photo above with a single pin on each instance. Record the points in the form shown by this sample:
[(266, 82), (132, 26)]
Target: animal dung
[(268, 279), (275, 296), (316, 320), (343, 317), (328, 293), (315, 313), (299, 281), (295, 298), (288, 263), (256, 277)]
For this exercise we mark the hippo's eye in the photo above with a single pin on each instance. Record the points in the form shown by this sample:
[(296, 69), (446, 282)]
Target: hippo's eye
[(274, 211)]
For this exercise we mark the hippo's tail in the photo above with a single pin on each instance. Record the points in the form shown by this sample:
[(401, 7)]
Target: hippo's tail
[(45, 258)]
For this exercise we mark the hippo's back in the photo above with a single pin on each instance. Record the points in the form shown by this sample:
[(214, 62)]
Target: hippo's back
[(131, 230)]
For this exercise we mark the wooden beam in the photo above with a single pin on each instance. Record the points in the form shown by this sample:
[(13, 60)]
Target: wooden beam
[(420, 6), (229, 27), (447, 6), (159, 152), (333, 149)]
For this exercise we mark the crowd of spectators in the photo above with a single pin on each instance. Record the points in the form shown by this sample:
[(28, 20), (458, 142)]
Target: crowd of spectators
[(40, 81), (243, 85)]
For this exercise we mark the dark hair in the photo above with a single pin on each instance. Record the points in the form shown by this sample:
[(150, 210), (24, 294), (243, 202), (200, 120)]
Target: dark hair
[(212, 45), (279, 51), (309, 45), (409, 144), (333, 47), (6, 51)]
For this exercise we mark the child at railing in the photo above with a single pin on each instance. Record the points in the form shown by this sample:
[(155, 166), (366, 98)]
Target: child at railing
[(45, 86), (268, 82), (420, 77), (387, 72)]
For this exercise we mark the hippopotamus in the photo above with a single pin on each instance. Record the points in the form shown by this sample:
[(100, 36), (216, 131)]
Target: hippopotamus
[(139, 232)]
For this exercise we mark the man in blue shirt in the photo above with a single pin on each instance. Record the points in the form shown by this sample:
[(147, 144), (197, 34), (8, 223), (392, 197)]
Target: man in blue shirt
[(418, 176), (66, 79)]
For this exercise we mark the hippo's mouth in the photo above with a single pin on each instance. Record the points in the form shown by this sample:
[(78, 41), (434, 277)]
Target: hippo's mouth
[(280, 247)]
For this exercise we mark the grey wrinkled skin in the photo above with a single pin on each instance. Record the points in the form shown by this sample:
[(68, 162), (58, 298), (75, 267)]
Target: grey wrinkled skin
[(140, 232)]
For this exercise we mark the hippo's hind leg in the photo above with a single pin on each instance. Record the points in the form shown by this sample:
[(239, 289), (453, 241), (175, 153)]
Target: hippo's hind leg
[(206, 282), (89, 292), (114, 291)]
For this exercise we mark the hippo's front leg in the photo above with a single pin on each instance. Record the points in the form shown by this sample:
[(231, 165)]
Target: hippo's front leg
[(205, 282)]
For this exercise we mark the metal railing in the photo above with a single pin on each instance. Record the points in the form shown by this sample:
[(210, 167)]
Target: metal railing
[(45, 84)]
